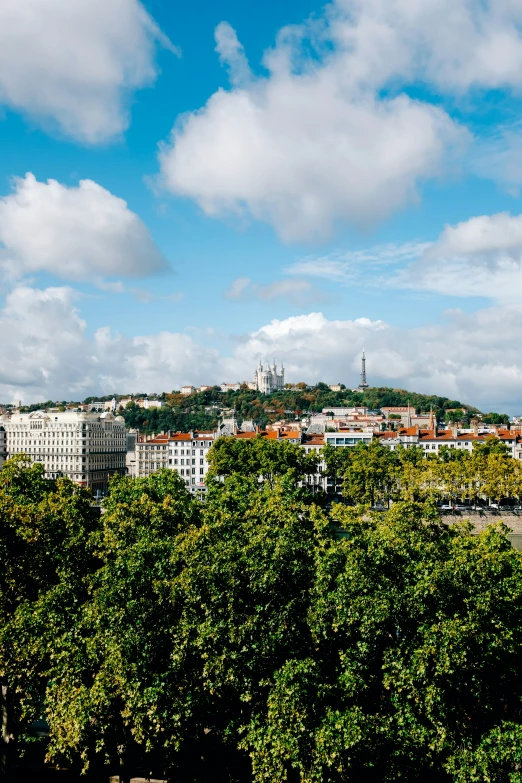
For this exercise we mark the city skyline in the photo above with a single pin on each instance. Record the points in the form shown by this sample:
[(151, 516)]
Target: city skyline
[(190, 189)]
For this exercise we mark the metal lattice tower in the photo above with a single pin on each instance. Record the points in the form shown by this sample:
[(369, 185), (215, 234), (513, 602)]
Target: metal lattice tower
[(364, 383)]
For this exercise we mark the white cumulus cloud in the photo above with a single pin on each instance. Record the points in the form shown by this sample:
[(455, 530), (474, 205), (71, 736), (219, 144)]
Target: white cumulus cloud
[(296, 151), (330, 134), (481, 256), (451, 44), (74, 64), (82, 233), (475, 358)]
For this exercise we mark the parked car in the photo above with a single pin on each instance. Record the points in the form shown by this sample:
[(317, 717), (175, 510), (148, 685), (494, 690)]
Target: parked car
[(459, 507), (494, 506), (446, 507)]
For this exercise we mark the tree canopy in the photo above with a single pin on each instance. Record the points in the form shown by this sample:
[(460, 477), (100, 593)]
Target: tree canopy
[(258, 636)]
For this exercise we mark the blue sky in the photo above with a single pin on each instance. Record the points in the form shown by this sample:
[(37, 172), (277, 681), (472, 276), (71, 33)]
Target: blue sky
[(296, 180)]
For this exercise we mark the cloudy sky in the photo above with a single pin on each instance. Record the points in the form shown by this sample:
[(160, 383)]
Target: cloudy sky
[(187, 188)]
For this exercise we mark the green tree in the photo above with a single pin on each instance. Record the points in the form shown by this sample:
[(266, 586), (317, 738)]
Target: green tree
[(45, 527), (260, 457), (413, 672), (370, 474), (110, 697)]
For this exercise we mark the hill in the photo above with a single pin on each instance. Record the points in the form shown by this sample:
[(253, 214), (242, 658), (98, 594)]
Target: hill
[(202, 410)]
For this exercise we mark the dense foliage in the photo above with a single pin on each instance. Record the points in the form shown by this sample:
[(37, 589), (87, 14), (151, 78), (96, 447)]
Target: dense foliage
[(375, 474), (202, 410), (243, 639)]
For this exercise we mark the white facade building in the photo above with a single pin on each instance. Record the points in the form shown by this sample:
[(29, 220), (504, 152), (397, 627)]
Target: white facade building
[(268, 380), (86, 447), (184, 452), (188, 454), (148, 404)]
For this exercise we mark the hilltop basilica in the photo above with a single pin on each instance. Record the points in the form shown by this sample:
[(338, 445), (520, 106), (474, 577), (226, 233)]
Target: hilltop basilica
[(267, 379)]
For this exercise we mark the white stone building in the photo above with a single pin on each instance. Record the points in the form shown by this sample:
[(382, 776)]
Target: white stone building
[(86, 447), (188, 452), (184, 452), (152, 453), (267, 379)]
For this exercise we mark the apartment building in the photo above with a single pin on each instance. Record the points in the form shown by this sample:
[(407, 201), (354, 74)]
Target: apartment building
[(188, 452), (152, 454), (432, 440), (184, 452), (88, 448)]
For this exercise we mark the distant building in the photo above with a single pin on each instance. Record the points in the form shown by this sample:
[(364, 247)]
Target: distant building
[(335, 387), (98, 406), (184, 452), (188, 454), (147, 404), (187, 390), (85, 447), (230, 387), (267, 380)]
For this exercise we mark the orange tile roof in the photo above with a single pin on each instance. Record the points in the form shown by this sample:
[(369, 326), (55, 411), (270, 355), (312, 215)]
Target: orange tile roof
[(314, 440), (271, 435)]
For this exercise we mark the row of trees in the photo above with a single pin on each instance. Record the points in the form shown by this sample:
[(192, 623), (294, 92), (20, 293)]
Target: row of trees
[(242, 640), (373, 473)]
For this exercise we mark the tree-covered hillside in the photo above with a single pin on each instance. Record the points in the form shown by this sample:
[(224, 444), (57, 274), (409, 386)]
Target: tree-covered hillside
[(202, 410)]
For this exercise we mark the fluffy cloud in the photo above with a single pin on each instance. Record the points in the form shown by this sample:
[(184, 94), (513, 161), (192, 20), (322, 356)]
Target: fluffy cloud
[(475, 358), (77, 233), (296, 291), (478, 257), (452, 44), (296, 151), (333, 136), (232, 54), (49, 354), (75, 63), (491, 237)]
